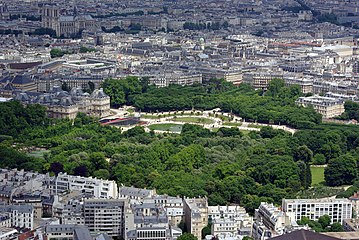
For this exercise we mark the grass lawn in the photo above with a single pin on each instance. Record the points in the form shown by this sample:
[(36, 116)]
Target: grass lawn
[(233, 124), (171, 127), (245, 132), (254, 126), (193, 120), (317, 175), (38, 154)]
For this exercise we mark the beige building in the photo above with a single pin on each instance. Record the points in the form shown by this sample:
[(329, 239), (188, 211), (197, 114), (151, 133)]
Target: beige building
[(196, 215), (179, 78), (65, 25), (306, 85), (260, 80), (326, 106), (61, 104)]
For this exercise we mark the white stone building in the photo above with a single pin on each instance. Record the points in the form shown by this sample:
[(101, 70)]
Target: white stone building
[(337, 208)]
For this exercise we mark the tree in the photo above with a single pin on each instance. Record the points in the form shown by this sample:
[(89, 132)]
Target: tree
[(65, 87), (121, 90), (206, 231), (56, 168), (55, 53), (102, 174), (275, 86), (305, 174), (319, 159), (81, 171), (324, 221), (45, 31), (341, 171), (247, 238), (182, 226), (187, 236), (303, 153), (336, 227)]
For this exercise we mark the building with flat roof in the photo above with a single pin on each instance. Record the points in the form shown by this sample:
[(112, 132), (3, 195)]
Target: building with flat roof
[(105, 216), (97, 188), (337, 208)]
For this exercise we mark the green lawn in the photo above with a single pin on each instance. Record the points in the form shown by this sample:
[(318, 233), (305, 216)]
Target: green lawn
[(171, 127), (317, 175), (254, 126), (38, 154), (193, 120), (233, 124)]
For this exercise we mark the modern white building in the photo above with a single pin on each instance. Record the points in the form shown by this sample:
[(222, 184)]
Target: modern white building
[(105, 216), (98, 188), (337, 208)]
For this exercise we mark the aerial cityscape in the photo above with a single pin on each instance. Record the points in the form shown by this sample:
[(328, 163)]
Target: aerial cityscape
[(179, 119)]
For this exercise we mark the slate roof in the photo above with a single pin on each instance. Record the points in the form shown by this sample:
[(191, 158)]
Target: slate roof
[(304, 235)]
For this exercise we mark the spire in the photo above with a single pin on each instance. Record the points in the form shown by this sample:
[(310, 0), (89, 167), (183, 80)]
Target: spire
[(75, 8)]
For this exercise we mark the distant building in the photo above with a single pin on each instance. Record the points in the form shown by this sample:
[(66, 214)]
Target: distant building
[(338, 209), (67, 231), (355, 201), (137, 194), (147, 221), (179, 78), (196, 215), (272, 217), (172, 205), (65, 25), (8, 233), (306, 85), (351, 225), (229, 221), (105, 216), (97, 188), (260, 80), (62, 104), (21, 216), (326, 106), (304, 235)]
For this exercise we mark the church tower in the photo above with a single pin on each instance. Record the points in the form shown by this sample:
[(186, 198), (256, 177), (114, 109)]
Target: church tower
[(50, 17)]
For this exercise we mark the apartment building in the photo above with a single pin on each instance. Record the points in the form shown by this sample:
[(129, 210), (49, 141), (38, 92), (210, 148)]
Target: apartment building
[(172, 205), (147, 221), (97, 188), (272, 217), (105, 216), (230, 221), (260, 80), (306, 85), (196, 215), (21, 216), (338, 209), (66, 231), (326, 106), (135, 194), (179, 78)]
